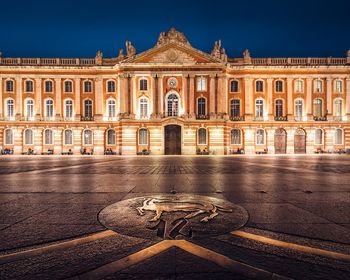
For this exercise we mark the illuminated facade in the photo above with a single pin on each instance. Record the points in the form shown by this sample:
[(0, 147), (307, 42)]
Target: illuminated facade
[(174, 99)]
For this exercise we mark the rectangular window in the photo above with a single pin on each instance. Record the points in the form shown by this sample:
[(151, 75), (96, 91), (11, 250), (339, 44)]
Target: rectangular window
[(201, 84)]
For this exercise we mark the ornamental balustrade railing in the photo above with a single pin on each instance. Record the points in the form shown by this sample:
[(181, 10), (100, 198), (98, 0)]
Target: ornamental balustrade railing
[(202, 117), (281, 118), (237, 118), (320, 118)]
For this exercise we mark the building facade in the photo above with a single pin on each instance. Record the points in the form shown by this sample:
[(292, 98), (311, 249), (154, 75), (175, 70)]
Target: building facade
[(175, 99)]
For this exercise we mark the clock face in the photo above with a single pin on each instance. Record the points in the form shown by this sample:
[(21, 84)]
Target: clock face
[(172, 82)]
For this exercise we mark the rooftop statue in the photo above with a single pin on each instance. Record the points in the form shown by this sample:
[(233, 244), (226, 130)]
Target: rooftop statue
[(121, 53), (246, 56), (172, 36), (218, 51), (130, 49)]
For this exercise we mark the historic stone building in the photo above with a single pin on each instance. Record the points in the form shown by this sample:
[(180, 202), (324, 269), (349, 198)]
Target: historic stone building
[(174, 99)]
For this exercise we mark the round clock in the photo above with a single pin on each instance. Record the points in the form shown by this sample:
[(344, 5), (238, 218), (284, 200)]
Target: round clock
[(172, 82)]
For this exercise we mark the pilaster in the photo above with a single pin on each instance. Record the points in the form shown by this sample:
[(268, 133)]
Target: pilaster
[(290, 101), (77, 104), (191, 97), (309, 99), (98, 99), (1, 90), (58, 101), (328, 99), (18, 104), (269, 99), (347, 109), (249, 101), (212, 101)]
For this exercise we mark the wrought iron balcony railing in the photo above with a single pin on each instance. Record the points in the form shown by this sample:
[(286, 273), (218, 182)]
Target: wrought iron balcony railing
[(202, 117), (237, 118), (281, 118), (87, 119), (320, 119)]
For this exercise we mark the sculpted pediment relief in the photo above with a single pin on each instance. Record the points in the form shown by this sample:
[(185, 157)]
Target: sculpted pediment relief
[(172, 55)]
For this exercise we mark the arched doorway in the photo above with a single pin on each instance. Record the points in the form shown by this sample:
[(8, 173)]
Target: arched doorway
[(280, 141), (172, 140), (300, 141)]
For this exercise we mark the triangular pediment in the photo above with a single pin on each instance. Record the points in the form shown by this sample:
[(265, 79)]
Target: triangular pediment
[(173, 53)]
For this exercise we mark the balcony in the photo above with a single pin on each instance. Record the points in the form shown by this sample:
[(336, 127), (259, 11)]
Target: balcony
[(320, 119), (68, 119), (171, 114), (237, 118), (87, 119), (281, 118), (259, 118), (338, 118), (298, 118), (202, 117)]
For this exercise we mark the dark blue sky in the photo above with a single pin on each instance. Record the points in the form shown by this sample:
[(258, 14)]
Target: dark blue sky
[(268, 28)]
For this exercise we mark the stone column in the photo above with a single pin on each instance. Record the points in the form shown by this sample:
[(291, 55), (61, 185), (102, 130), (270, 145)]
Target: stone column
[(219, 95), (212, 99), (18, 102), (185, 95), (269, 102), (77, 104), (290, 101), (347, 109), (121, 94), (127, 94), (160, 95), (98, 99), (328, 100), (58, 101), (192, 106), (224, 95), (133, 100), (1, 90), (309, 99), (154, 95), (249, 100)]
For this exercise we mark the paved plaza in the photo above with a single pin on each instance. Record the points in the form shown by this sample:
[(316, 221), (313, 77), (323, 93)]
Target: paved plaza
[(175, 217)]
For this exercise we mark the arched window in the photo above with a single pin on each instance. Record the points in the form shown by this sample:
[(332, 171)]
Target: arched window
[(68, 108), (111, 108), (8, 136), (234, 87), (201, 106), (338, 108), (28, 137), (318, 108), (236, 138), (143, 136), (9, 86), (87, 136), (87, 86), (279, 108), (48, 86), (201, 84), (279, 86), (68, 86), (259, 86), (29, 109), (202, 136), (235, 108), (29, 86), (260, 136), (49, 108), (338, 137), (259, 109), (10, 108), (173, 104), (143, 107), (318, 86), (143, 84), (110, 137), (68, 137), (48, 137), (299, 87), (338, 86), (298, 109), (88, 108), (318, 136), (110, 86)]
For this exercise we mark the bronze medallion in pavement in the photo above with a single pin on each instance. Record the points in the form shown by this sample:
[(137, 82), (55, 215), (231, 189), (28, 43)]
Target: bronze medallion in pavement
[(173, 217)]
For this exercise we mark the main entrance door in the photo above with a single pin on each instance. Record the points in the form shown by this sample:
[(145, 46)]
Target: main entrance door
[(280, 141), (172, 140), (300, 141)]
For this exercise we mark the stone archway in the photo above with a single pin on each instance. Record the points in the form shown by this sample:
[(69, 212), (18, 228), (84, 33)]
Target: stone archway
[(172, 139), (300, 141), (280, 141)]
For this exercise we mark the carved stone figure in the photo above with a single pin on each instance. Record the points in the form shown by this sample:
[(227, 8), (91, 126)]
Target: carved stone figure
[(130, 49), (99, 57), (246, 56), (121, 53), (172, 36), (218, 51)]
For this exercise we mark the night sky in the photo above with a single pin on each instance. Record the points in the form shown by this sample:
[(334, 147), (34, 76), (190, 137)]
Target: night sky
[(267, 28)]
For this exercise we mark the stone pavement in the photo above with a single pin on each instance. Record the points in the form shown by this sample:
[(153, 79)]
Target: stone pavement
[(297, 224)]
